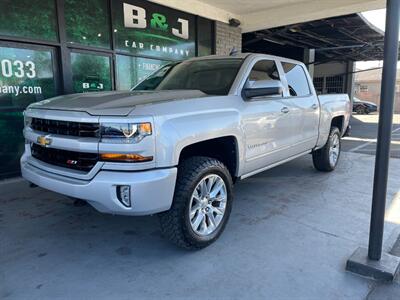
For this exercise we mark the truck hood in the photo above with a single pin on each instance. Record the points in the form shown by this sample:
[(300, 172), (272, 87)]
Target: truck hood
[(114, 103)]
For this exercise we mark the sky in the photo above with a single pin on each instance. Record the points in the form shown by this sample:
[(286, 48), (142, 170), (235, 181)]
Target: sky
[(377, 18)]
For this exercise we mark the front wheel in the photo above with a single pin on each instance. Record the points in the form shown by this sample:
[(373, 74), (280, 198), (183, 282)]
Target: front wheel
[(202, 203), (326, 158)]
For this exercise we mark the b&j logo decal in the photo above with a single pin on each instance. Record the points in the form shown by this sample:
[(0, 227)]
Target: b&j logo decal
[(135, 17), (149, 29)]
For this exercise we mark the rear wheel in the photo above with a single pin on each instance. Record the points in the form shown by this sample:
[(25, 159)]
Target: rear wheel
[(327, 158), (202, 203), (361, 110)]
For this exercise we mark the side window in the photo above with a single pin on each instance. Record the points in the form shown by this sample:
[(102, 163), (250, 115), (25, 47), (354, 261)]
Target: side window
[(264, 70), (297, 80)]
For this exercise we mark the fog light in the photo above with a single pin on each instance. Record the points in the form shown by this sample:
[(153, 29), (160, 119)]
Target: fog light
[(124, 194)]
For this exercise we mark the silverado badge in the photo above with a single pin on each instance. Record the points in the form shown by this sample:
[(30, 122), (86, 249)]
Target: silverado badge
[(44, 140)]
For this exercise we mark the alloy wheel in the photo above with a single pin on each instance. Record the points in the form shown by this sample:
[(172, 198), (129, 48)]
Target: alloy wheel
[(207, 205), (334, 150)]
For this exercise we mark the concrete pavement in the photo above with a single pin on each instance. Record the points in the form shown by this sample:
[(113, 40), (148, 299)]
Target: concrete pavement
[(290, 233), (363, 140), (364, 132)]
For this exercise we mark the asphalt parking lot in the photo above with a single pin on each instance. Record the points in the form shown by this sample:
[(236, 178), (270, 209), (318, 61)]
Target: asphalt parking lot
[(290, 233), (364, 132)]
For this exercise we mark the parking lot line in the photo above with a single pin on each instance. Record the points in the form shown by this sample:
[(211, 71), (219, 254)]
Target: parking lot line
[(369, 142)]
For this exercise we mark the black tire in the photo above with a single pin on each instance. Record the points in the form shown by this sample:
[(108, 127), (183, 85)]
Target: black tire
[(361, 110), (175, 223), (320, 157)]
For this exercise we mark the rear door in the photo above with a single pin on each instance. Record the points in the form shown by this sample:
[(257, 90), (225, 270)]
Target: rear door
[(304, 106)]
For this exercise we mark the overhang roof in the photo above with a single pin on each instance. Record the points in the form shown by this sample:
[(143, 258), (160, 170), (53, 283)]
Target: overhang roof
[(262, 14), (349, 37)]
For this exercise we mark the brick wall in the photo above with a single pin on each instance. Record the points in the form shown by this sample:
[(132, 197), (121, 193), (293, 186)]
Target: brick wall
[(227, 37), (374, 93)]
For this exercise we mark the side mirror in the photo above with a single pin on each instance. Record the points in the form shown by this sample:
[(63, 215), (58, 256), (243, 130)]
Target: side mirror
[(262, 88)]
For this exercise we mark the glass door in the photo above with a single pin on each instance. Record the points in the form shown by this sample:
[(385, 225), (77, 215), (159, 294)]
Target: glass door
[(27, 74)]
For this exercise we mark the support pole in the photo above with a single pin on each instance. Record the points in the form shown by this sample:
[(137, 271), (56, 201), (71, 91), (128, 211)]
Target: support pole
[(372, 262), (384, 129)]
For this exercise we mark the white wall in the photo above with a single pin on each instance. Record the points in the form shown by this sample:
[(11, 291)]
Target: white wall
[(330, 69)]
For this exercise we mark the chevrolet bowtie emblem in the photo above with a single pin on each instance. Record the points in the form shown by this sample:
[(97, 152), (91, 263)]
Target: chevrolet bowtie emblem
[(44, 140)]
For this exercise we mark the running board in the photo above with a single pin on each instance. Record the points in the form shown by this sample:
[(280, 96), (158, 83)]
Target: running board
[(273, 165)]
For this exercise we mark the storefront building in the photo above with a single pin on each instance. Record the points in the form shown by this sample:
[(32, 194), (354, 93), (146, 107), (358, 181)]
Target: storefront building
[(55, 47)]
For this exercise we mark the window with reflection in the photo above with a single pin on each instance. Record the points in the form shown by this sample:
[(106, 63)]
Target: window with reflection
[(90, 73), (264, 70), (33, 19), (297, 80), (205, 38), (26, 76), (132, 70), (87, 22)]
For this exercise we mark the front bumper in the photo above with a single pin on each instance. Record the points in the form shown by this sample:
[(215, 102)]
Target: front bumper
[(151, 191)]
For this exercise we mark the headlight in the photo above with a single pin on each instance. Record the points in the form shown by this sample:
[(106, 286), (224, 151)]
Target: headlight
[(124, 132)]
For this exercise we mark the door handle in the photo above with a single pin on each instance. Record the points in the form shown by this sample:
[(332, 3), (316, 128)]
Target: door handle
[(285, 110), (314, 106)]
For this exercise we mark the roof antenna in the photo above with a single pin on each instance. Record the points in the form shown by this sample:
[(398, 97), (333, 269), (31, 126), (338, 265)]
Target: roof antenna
[(233, 52)]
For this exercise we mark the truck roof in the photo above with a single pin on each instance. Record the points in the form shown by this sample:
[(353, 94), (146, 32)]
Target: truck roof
[(245, 55)]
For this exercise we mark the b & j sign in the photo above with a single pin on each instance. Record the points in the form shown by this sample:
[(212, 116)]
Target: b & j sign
[(145, 28)]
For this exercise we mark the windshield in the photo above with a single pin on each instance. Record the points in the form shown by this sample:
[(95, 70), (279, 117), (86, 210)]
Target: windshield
[(211, 76)]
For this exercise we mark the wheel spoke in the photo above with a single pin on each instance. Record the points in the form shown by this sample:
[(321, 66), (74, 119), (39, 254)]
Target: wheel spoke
[(210, 183), (199, 219), (203, 188), (196, 196), (211, 220), (216, 189), (332, 157), (193, 210), (203, 226), (218, 210), (221, 199)]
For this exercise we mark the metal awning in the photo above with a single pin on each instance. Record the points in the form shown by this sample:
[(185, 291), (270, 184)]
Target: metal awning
[(261, 14), (349, 37)]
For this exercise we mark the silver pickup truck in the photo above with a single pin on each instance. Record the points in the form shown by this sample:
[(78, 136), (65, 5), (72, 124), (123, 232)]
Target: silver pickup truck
[(175, 144)]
